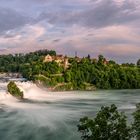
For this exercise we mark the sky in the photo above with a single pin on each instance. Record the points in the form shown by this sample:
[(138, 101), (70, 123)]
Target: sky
[(107, 27)]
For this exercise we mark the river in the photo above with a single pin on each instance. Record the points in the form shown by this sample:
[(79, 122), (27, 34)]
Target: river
[(45, 115)]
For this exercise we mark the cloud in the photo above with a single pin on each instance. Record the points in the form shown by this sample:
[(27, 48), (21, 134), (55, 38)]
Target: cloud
[(99, 14), (109, 27), (25, 40), (90, 14), (109, 13), (10, 19)]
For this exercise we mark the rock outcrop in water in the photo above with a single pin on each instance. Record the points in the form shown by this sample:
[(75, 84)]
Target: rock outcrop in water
[(14, 90)]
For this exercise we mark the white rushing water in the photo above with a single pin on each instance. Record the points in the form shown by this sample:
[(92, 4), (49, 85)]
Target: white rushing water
[(45, 115)]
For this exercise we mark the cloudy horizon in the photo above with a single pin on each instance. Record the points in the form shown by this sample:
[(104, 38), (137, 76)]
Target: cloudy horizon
[(107, 27)]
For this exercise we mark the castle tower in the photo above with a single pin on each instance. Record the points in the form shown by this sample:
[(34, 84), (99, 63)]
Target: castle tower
[(75, 54), (66, 62)]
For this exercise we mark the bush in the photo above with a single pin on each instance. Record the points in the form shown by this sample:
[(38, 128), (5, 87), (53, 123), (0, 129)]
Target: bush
[(14, 90)]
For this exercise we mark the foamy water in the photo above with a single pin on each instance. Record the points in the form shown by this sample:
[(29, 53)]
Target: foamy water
[(45, 115)]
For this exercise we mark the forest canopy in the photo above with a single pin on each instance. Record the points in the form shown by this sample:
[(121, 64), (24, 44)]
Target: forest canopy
[(80, 74)]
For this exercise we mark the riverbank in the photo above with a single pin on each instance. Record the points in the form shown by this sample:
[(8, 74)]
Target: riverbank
[(65, 87)]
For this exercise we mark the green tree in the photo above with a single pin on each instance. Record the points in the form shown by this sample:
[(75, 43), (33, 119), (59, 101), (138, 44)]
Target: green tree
[(68, 76), (100, 59), (109, 124)]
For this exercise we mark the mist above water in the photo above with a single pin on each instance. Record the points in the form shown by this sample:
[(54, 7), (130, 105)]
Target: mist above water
[(45, 115)]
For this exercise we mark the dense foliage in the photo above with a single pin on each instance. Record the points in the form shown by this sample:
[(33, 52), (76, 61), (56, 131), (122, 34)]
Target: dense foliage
[(136, 124), (84, 74), (110, 124), (103, 76), (14, 90)]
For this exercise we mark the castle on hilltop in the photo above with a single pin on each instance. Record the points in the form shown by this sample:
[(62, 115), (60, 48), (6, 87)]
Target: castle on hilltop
[(60, 59), (64, 60)]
